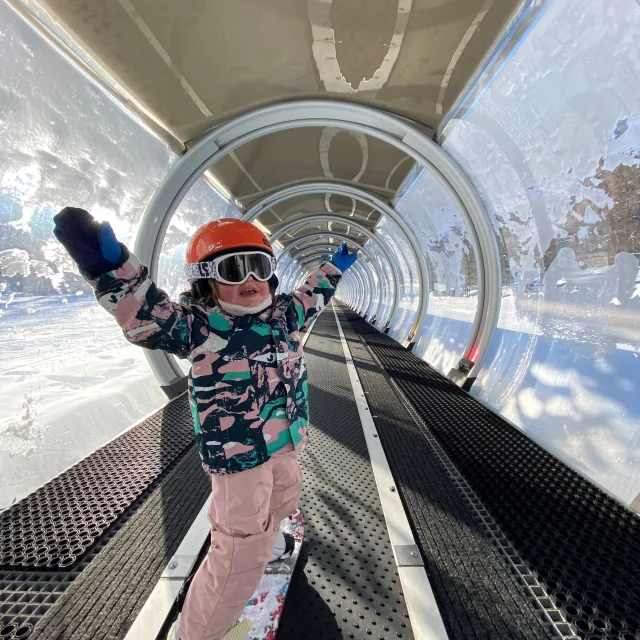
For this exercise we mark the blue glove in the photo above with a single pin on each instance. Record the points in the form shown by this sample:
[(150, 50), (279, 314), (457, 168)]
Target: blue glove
[(342, 258), (91, 244)]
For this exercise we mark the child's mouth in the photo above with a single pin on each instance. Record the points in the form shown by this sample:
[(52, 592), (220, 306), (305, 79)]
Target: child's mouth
[(249, 291)]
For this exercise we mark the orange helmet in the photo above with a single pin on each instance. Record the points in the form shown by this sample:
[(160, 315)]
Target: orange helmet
[(225, 234)]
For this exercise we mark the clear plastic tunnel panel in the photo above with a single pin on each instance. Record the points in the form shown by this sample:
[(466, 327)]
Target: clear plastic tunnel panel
[(404, 316), (69, 381), (551, 145), (453, 300), (380, 280), (386, 291), (284, 267), (200, 205)]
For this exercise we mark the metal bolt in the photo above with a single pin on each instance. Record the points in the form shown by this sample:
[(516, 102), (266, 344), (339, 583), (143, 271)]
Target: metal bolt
[(173, 565), (392, 488), (375, 435)]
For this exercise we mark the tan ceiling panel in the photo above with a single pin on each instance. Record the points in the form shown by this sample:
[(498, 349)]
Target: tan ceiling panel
[(362, 32), (341, 223), (323, 235), (317, 205), (197, 62), (313, 153), (237, 54), (443, 45)]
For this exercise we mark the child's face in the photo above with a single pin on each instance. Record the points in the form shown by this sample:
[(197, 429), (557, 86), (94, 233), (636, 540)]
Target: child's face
[(248, 294)]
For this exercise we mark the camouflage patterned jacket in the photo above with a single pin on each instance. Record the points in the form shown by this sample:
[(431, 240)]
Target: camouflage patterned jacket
[(230, 393)]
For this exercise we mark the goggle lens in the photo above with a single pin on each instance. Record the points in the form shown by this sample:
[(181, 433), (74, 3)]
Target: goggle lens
[(236, 268)]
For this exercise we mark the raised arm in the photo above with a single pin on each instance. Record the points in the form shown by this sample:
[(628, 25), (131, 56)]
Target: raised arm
[(147, 316), (320, 285)]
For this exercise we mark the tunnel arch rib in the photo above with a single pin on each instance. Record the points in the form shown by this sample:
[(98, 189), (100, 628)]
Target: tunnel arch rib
[(308, 260), (321, 234), (371, 200), (398, 132), (396, 272)]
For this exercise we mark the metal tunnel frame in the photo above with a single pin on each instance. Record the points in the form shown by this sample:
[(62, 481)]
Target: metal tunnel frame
[(370, 200), (367, 286), (370, 288), (354, 284), (398, 132), (326, 244), (374, 299), (363, 290), (295, 273), (351, 296), (396, 272)]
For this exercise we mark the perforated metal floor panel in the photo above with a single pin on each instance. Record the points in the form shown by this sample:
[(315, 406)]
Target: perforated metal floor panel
[(346, 583), (99, 595), (580, 545)]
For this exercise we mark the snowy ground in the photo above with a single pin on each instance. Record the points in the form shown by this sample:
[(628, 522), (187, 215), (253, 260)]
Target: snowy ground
[(69, 382)]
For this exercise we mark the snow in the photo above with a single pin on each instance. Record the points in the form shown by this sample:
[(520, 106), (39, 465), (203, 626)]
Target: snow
[(14, 262), (69, 381)]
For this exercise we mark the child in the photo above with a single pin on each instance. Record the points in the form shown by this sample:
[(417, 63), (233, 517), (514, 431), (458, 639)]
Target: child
[(247, 387)]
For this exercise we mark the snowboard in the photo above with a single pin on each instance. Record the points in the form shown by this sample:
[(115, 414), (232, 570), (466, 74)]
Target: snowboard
[(265, 606)]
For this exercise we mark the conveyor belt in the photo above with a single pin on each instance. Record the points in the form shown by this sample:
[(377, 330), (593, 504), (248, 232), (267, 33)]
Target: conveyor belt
[(346, 583), (579, 545)]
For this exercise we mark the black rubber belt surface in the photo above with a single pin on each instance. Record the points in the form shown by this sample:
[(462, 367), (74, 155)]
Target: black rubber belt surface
[(476, 595), (56, 525), (346, 583), (580, 543), (100, 596)]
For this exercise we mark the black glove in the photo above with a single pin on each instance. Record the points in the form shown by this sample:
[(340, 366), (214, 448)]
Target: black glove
[(91, 244)]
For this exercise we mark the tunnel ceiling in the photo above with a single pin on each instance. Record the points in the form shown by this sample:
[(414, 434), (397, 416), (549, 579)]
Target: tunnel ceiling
[(320, 203), (319, 153), (326, 231), (194, 64)]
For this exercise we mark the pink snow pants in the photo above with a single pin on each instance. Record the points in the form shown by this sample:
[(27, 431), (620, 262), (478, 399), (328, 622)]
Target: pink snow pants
[(245, 514)]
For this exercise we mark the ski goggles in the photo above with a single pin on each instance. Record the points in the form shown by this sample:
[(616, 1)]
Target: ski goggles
[(234, 268)]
